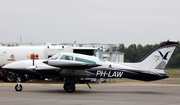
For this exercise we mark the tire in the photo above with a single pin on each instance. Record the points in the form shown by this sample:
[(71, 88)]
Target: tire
[(66, 88), (18, 88), (1, 75), (10, 77)]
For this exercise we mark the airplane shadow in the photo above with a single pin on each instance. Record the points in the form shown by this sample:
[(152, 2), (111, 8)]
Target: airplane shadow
[(95, 92)]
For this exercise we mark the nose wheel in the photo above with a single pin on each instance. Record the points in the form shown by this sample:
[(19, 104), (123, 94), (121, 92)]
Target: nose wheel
[(18, 87)]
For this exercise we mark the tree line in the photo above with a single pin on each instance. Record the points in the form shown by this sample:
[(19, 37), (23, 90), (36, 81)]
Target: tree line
[(134, 53)]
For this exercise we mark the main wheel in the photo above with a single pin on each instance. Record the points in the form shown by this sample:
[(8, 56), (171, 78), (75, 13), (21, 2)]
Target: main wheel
[(1, 75), (10, 76), (18, 88), (67, 89)]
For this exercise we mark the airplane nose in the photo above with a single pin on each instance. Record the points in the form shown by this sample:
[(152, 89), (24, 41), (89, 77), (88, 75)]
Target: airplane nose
[(4, 67), (12, 66), (46, 62)]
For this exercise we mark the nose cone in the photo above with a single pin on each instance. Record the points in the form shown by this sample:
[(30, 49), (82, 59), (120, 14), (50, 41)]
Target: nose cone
[(5, 67), (46, 62), (11, 66), (15, 66)]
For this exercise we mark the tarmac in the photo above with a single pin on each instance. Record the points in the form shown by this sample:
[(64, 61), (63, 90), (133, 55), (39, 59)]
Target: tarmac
[(124, 93)]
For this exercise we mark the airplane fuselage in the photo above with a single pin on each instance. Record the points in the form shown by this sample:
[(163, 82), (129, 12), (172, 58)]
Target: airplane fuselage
[(74, 66), (104, 69)]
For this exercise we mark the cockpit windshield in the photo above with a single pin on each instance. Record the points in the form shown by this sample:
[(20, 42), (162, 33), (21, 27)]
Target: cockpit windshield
[(54, 57)]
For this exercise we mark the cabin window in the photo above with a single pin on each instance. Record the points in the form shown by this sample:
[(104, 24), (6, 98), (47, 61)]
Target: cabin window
[(65, 57), (84, 60)]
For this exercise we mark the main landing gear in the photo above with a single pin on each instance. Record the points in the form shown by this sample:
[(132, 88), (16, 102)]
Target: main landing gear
[(18, 87), (69, 89), (70, 86)]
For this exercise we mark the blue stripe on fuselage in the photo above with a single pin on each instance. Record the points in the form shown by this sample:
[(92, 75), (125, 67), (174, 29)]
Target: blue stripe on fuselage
[(123, 74)]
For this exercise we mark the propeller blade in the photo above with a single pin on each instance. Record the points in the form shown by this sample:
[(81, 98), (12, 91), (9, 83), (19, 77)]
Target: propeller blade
[(33, 59), (33, 67)]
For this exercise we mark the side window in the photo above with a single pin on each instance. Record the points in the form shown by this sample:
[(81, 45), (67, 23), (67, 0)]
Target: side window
[(84, 60), (65, 57)]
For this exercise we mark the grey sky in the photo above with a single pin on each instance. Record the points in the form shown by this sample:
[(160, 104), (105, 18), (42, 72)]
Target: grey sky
[(90, 21)]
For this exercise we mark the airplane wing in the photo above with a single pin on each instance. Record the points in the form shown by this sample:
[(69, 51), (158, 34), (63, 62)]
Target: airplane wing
[(66, 64)]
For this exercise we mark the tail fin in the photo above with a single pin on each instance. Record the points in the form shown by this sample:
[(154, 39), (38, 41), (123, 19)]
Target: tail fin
[(157, 60)]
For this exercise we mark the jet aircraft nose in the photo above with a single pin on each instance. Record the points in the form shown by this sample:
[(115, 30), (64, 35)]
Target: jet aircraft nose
[(46, 62)]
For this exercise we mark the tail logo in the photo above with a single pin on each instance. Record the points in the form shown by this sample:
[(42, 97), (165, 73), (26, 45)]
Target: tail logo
[(164, 56)]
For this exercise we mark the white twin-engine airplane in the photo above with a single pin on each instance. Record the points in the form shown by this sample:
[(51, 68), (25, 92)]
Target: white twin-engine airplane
[(75, 66)]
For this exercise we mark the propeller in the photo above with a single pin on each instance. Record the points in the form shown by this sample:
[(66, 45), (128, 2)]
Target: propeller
[(32, 67), (33, 59)]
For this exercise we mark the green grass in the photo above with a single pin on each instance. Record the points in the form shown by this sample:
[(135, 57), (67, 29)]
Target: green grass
[(173, 75), (176, 83), (173, 72)]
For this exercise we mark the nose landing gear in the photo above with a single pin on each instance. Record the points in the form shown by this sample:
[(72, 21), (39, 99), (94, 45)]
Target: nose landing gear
[(18, 87)]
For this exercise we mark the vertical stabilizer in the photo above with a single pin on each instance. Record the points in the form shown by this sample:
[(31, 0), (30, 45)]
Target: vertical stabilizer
[(157, 60)]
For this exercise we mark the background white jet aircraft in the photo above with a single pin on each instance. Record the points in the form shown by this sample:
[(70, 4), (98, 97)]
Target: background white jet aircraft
[(75, 66)]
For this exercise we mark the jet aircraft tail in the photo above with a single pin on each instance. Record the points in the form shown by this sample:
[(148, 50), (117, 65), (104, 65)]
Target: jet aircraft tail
[(156, 60)]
